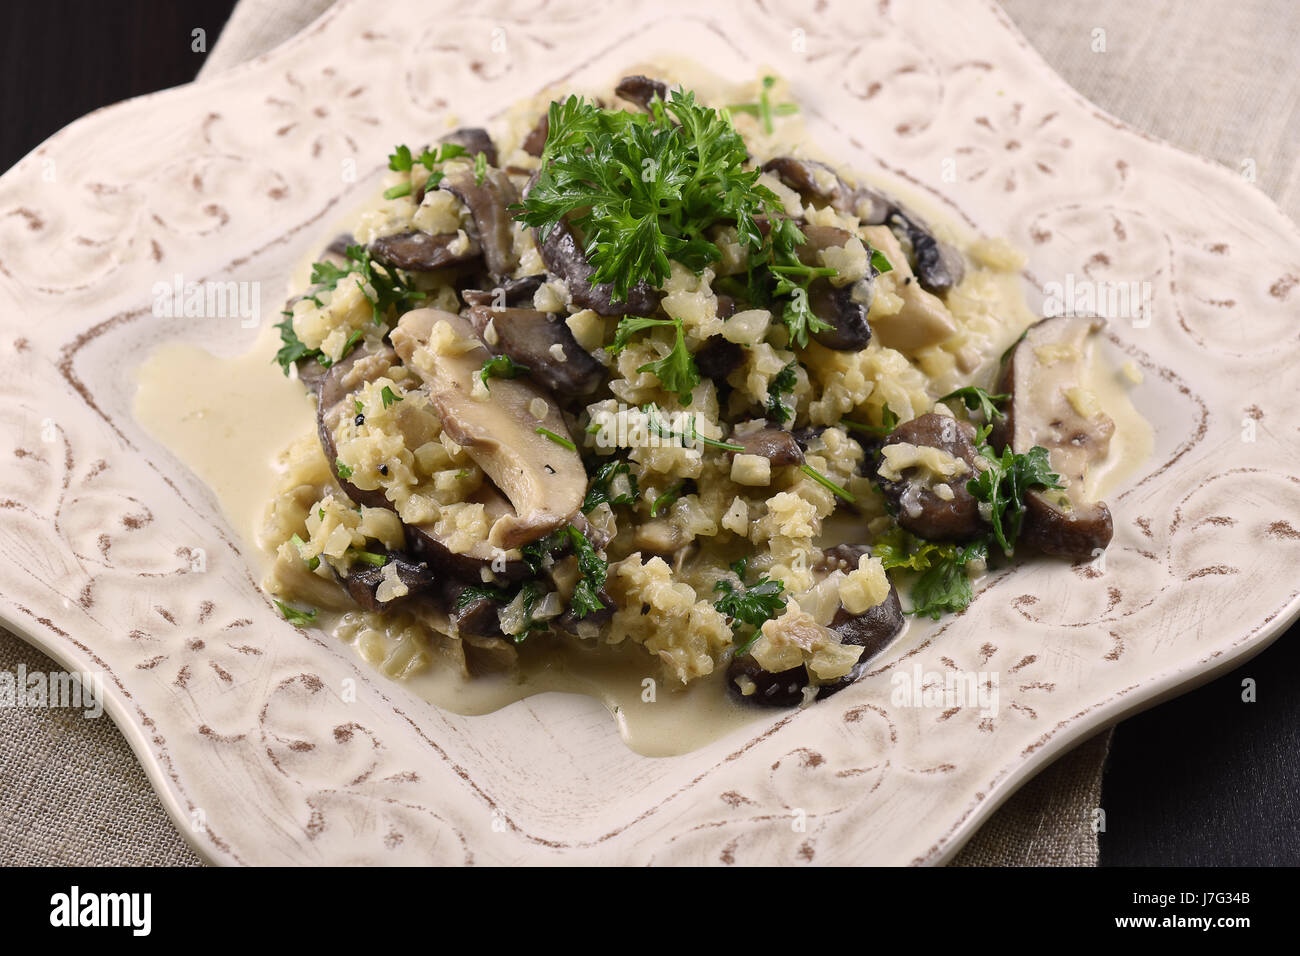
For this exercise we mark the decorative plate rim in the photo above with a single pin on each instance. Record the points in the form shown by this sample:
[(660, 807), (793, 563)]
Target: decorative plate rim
[(1152, 689)]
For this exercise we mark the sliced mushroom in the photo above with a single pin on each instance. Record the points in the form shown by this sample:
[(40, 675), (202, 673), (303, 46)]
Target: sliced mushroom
[(425, 542), (718, 358), (641, 90), (362, 580), (566, 258), (775, 444), (1049, 407), (817, 181), (844, 308), (338, 247), (938, 265), (475, 614), (542, 342), (475, 140), (417, 251), (919, 498), (923, 320), (844, 313), (488, 203), (871, 630), (544, 480), (334, 402), (806, 435), (509, 293), (535, 141)]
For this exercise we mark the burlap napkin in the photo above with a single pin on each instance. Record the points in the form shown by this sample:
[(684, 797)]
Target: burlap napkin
[(1216, 81)]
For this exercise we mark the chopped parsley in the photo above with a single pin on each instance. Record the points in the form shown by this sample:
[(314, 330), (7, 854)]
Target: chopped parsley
[(401, 160), (480, 168), (747, 608), (500, 366), (344, 471), (974, 397), (676, 371), (558, 439), (793, 280), (689, 436), (826, 483), (529, 594), (366, 557), (294, 616), (944, 584), (1003, 487), (666, 499), (606, 486), (594, 570), (764, 109), (292, 349), (782, 383), (888, 422), (387, 396), (476, 591)]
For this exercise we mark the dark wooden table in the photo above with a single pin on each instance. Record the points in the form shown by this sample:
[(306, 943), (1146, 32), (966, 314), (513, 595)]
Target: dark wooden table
[(1205, 779)]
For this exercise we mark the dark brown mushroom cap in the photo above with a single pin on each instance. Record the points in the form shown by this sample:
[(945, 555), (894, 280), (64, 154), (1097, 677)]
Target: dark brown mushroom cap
[(641, 90), (509, 293), (844, 308), (475, 140), (801, 175), (529, 337), (535, 141), (570, 622), (1056, 523), (938, 266), (718, 358), (338, 247), (775, 444), (564, 257), (871, 630), (476, 615), (362, 580), (489, 204), (417, 251), (847, 317), (918, 509)]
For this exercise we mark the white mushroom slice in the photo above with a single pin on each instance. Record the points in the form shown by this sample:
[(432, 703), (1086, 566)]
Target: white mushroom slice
[(923, 320), (544, 481), (1043, 412)]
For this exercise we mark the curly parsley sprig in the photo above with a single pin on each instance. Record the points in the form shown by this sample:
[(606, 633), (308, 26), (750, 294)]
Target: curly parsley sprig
[(748, 608)]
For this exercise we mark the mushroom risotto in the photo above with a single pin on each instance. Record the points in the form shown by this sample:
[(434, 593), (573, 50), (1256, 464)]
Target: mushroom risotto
[(634, 370)]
